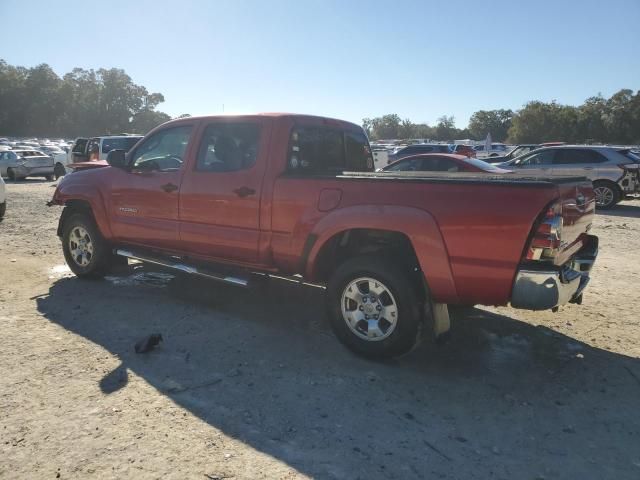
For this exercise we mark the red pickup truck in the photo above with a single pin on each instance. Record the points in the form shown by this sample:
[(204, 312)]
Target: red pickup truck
[(294, 195)]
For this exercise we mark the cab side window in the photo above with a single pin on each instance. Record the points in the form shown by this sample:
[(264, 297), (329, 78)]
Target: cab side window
[(328, 151), (163, 151), (228, 147)]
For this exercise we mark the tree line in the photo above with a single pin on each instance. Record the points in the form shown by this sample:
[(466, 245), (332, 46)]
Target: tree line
[(37, 102), (613, 120)]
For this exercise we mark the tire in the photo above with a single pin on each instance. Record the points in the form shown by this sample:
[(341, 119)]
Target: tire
[(607, 194), (59, 171), (49, 178), (11, 174), (90, 259), (393, 287), (3, 209)]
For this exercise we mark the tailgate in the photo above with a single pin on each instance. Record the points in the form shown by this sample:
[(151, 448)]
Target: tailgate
[(578, 210)]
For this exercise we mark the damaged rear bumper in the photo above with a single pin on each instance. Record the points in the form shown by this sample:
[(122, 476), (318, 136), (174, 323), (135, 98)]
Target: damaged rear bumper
[(543, 287)]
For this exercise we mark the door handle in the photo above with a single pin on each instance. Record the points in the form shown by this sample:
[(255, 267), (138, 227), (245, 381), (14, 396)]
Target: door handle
[(169, 187), (244, 191)]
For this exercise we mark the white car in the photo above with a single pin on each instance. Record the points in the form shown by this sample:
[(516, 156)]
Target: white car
[(3, 199), (497, 150)]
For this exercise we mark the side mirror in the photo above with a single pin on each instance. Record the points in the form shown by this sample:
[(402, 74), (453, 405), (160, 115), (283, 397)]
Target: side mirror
[(117, 158)]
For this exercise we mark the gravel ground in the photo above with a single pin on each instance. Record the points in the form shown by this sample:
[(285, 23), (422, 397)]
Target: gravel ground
[(251, 384)]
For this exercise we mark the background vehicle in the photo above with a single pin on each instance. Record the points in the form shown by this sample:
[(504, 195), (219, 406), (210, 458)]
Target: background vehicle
[(20, 164), (3, 199), (443, 163), (466, 150), (515, 152), (496, 150), (222, 197), (91, 149), (417, 149), (613, 171)]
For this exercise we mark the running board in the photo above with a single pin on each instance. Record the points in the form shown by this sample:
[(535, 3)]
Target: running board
[(182, 267)]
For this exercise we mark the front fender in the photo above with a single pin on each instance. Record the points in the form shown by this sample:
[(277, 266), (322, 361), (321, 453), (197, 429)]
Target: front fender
[(418, 225), (70, 191)]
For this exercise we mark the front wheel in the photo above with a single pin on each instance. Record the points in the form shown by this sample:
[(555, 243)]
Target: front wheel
[(11, 174), (3, 209), (59, 171), (607, 194), (374, 308), (85, 250)]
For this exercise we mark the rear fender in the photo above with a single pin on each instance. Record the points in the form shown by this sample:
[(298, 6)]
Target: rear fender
[(419, 226)]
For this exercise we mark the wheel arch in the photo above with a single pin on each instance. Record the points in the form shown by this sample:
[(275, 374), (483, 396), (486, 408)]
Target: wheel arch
[(410, 234)]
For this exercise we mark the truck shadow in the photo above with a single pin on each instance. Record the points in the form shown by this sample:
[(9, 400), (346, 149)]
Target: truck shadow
[(262, 366), (626, 209)]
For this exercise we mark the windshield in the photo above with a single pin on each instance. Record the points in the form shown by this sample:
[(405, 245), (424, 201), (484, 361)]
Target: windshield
[(122, 143)]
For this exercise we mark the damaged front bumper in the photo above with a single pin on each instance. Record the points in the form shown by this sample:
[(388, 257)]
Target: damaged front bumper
[(543, 287)]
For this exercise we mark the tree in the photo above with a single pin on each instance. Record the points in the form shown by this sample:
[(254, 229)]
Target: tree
[(495, 122), (446, 128), (38, 102)]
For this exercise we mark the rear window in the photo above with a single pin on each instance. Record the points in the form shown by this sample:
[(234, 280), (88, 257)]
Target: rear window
[(228, 147), (124, 143), (320, 150)]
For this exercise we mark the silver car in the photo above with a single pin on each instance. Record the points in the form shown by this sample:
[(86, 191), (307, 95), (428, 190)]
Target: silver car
[(615, 172), (19, 164)]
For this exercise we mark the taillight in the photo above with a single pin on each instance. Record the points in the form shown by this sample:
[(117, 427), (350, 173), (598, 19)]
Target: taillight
[(547, 238)]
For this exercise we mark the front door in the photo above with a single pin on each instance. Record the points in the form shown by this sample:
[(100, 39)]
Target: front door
[(145, 198), (538, 163), (220, 196)]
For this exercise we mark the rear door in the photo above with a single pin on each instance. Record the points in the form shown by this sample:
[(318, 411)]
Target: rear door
[(577, 161), (144, 200), (221, 192)]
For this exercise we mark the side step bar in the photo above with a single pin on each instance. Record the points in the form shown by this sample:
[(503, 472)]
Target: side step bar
[(182, 267)]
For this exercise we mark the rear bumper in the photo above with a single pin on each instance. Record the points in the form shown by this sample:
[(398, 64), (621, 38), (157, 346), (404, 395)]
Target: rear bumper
[(543, 287)]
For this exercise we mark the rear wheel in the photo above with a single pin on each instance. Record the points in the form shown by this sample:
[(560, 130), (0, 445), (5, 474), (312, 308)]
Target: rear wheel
[(85, 250), (374, 307), (49, 178), (3, 209), (607, 194), (59, 171)]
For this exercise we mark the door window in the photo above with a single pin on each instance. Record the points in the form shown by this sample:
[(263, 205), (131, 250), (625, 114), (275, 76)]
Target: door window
[(80, 146), (228, 147), (571, 156), (319, 150), (439, 164), (410, 165), (544, 157), (163, 151)]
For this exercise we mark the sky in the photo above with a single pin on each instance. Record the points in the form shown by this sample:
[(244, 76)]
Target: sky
[(347, 59)]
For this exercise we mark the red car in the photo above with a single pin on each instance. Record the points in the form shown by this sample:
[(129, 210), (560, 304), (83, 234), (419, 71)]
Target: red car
[(296, 196), (443, 163)]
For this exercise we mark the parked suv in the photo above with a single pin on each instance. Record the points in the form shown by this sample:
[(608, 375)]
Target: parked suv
[(614, 171), (418, 149)]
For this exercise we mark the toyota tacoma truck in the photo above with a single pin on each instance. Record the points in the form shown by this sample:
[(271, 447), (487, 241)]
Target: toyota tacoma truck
[(226, 197)]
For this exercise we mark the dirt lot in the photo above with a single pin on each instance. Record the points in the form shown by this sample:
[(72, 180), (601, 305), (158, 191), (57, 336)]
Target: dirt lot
[(252, 384)]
